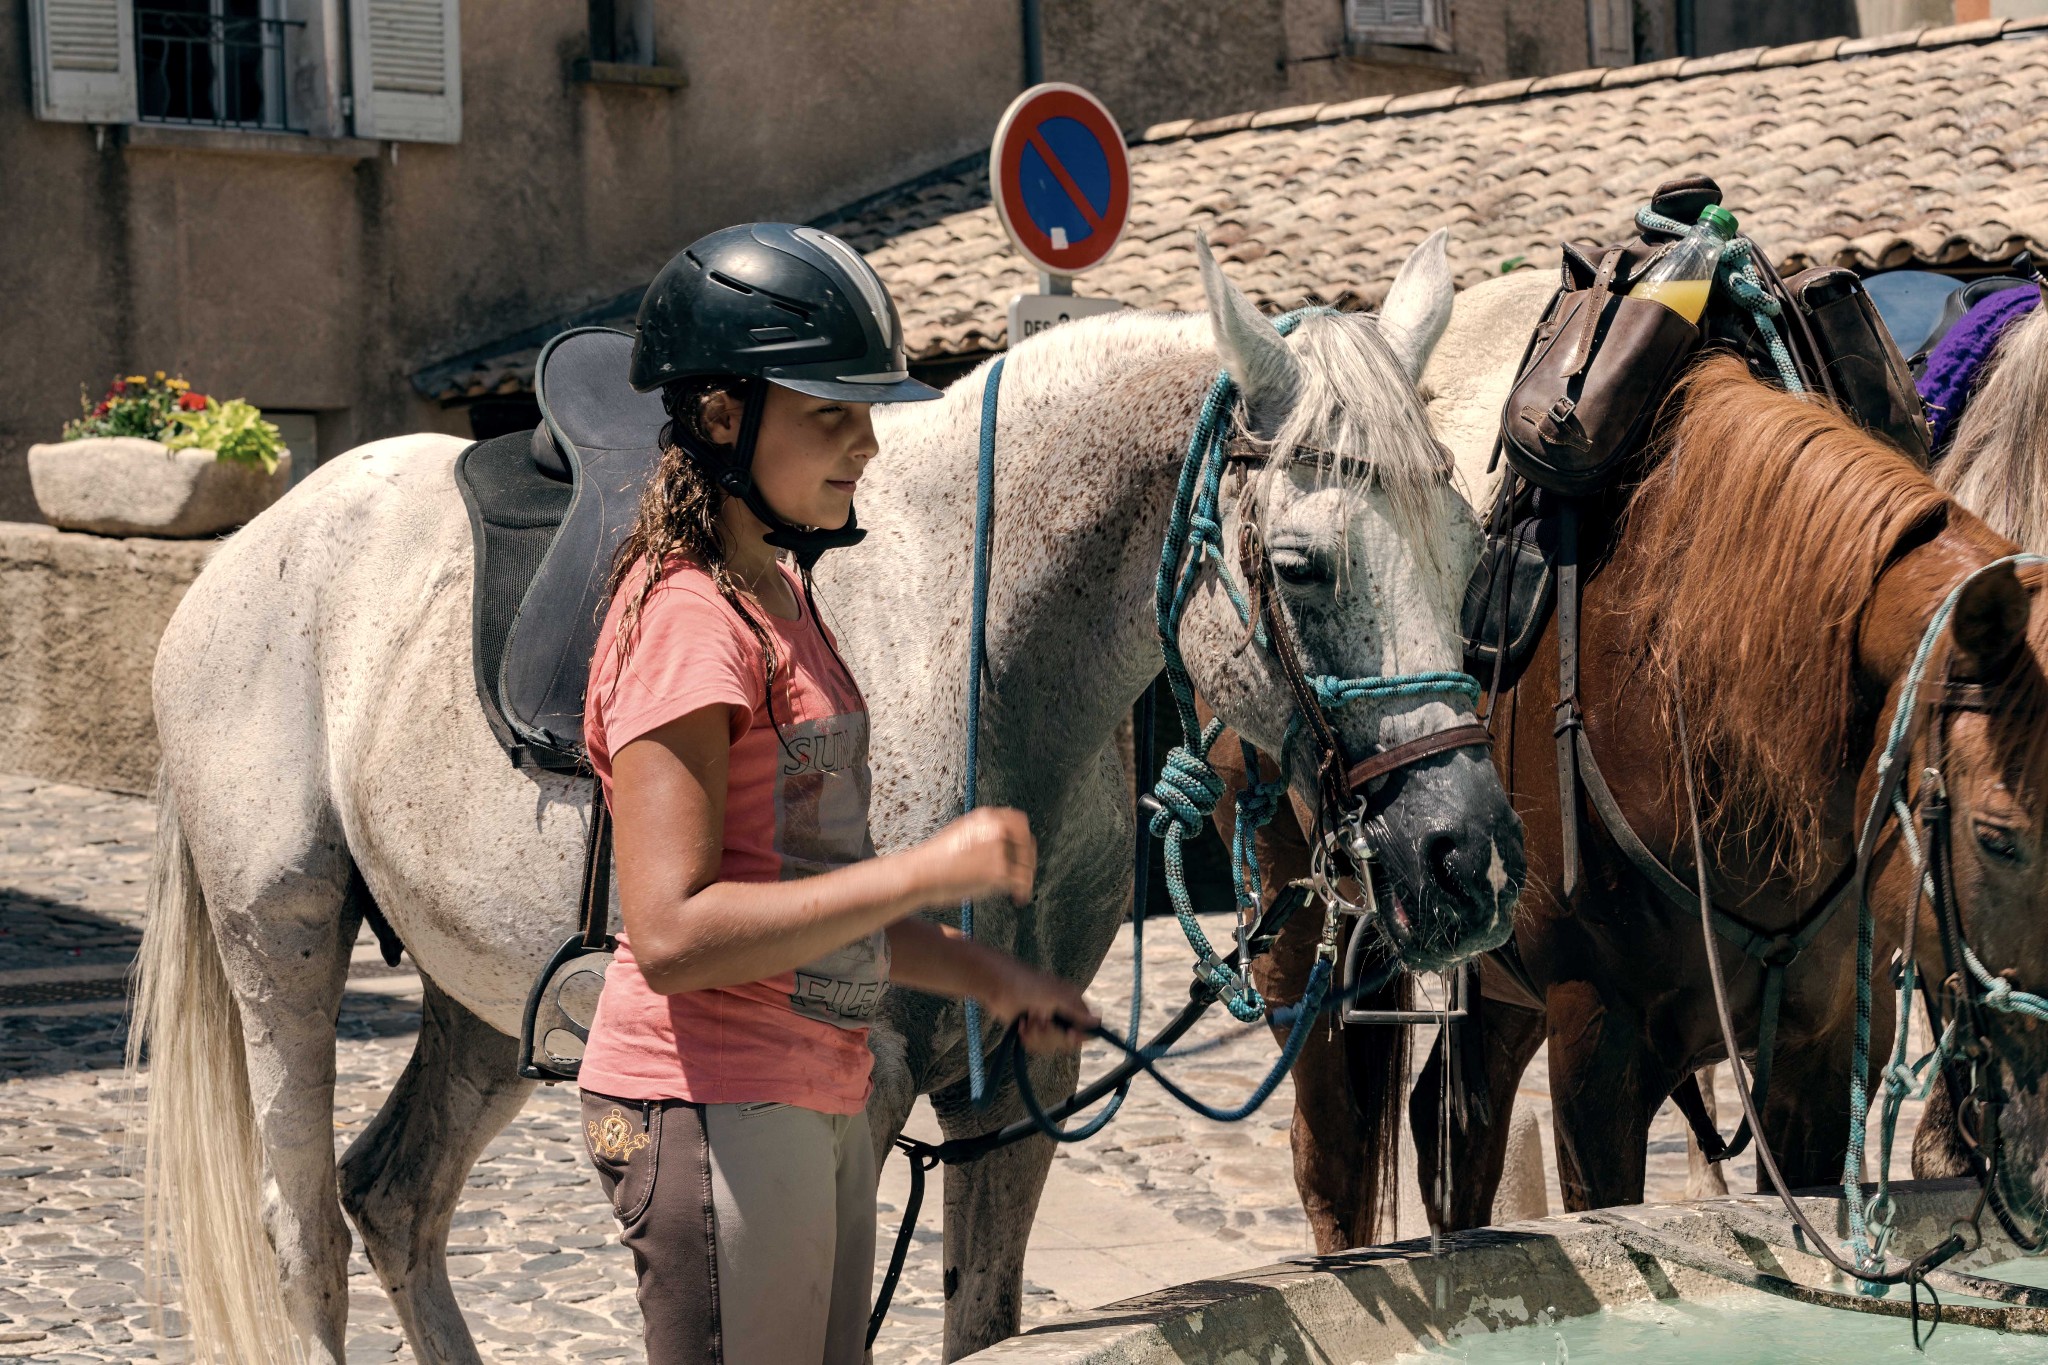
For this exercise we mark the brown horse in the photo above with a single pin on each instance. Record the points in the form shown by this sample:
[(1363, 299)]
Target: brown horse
[(1772, 577)]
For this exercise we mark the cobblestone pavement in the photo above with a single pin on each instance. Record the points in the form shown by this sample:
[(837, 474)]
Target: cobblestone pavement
[(533, 1256)]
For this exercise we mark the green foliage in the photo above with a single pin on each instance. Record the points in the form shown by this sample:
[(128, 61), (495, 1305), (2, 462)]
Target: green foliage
[(235, 431), (134, 406), (171, 411)]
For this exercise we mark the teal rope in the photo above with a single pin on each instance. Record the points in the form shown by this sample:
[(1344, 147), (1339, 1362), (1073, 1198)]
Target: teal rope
[(1903, 1081), (1189, 786), (1738, 275), (977, 651)]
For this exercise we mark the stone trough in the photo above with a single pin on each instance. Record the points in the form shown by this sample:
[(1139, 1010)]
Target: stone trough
[(1378, 1304)]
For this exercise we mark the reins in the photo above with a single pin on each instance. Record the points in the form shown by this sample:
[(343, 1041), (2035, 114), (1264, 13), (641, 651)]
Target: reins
[(1183, 799), (1865, 1257)]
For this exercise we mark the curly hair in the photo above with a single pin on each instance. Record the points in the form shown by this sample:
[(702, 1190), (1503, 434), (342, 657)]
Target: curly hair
[(678, 517)]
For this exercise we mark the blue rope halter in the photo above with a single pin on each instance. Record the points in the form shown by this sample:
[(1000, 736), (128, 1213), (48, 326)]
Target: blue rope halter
[(1189, 786)]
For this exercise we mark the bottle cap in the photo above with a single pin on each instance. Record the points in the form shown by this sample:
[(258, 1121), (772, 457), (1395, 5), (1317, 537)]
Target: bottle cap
[(1719, 219)]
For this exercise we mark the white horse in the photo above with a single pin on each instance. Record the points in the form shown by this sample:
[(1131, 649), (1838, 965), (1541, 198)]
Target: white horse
[(324, 747)]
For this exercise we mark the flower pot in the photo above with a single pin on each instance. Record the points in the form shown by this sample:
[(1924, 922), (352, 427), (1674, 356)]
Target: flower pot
[(125, 486)]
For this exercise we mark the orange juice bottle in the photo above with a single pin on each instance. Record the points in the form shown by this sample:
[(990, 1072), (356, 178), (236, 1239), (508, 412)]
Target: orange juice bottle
[(1684, 277)]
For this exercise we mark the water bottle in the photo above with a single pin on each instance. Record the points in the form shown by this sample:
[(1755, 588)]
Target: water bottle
[(1684, 276)]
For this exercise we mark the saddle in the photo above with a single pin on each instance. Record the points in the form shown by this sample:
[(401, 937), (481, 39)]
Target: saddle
[(1592, 382), (548, 510), (1586, 399)]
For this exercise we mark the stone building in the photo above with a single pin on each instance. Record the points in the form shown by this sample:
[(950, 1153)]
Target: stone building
[(334, 207)]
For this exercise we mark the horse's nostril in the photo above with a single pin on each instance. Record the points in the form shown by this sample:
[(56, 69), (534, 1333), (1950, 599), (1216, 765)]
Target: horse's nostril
[(1439, 854)]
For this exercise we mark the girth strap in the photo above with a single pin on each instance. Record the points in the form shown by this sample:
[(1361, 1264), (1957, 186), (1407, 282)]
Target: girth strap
[(597, 872)]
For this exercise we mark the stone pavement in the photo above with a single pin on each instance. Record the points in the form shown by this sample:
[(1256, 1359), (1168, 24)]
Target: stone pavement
[(1159, 1198)]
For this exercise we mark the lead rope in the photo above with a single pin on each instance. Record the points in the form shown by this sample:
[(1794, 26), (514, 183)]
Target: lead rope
[(1737, 273), (977, 657)]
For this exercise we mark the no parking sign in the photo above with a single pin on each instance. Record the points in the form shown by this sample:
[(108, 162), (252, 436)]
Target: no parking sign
[(1060, 178)]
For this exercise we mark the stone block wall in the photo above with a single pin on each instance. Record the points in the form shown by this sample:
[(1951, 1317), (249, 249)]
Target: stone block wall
[(80, 617)]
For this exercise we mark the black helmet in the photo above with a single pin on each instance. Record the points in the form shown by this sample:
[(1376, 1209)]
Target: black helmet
[(790, 305)]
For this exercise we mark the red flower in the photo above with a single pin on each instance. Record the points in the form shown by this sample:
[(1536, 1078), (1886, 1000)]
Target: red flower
[(101, 410), (120, 386), (192, 402)]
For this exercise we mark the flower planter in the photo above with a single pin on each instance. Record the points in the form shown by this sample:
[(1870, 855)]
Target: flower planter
[(125, 486)]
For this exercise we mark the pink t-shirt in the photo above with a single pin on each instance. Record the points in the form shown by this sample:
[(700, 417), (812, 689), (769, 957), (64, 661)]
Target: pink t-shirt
[(796, 804)]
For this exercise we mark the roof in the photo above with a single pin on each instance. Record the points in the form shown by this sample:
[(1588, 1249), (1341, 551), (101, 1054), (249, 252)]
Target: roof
[(1927, 147)]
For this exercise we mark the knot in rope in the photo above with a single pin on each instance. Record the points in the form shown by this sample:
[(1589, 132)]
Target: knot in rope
[(1188, 789), (1737, 273)]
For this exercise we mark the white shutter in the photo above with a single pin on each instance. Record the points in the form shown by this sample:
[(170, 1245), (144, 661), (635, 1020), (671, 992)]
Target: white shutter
[(1409, 23), (84, 60), (406, 56)]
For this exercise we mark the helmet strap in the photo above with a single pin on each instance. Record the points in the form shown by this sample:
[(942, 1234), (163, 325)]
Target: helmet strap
[(733, 470)]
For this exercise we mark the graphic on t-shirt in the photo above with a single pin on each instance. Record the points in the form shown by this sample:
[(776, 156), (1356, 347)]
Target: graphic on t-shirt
[(821, 822)]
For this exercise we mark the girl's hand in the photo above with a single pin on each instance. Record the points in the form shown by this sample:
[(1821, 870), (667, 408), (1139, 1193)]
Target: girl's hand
[(986, 852), (1032, 998)]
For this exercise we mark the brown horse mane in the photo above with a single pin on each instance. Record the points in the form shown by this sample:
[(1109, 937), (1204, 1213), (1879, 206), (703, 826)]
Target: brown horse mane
[(1755, 546)]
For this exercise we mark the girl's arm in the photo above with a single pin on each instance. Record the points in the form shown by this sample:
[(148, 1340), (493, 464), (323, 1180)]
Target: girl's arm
[(691, 931), (937, 958)]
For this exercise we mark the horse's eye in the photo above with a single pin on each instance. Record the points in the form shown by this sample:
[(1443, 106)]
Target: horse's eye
[(1998, 843), (1297, 569)]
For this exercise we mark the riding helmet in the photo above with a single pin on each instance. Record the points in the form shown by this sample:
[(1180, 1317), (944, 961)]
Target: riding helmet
[(790, 305), (793, 305)]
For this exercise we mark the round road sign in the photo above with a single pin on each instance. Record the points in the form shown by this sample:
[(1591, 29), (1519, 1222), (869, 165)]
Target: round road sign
[(1061, 180)]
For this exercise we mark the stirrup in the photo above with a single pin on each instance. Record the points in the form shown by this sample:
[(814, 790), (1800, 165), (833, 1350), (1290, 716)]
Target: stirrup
[(560, 1009)]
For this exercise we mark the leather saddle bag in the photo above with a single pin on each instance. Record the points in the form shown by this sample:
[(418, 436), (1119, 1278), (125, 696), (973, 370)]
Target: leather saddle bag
[(1860, 365), (1599, 368), (1508, 601)]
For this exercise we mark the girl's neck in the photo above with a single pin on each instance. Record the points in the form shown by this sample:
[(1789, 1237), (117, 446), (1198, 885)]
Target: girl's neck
[(755, 563)]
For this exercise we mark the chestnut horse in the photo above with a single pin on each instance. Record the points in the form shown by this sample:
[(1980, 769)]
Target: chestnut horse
[(1773, 575)]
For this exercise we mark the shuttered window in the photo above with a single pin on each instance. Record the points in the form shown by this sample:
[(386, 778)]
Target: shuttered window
[(1406, 23), (407, 61), (84, 60)]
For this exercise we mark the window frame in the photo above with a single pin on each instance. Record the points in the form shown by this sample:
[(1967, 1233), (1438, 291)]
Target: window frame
[(1433, 31)]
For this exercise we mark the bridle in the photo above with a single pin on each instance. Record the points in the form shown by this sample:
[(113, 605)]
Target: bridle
[(1189, 787), (1974, 990), (1343, 841)]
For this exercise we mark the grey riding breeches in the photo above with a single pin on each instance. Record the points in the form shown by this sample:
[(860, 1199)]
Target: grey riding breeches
[(752, 1227)]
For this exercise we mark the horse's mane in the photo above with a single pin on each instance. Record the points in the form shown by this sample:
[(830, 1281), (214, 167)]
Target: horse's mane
[(1356, 413), (1998, 463), (1358, 417), (1753, 549)]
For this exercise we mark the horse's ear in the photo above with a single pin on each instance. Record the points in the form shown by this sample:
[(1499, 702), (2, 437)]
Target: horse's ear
[(1251, 347), (1418, 305), (1989, 625)]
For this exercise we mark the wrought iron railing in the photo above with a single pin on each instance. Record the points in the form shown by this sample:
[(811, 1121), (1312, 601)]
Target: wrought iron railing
[(215, 70)]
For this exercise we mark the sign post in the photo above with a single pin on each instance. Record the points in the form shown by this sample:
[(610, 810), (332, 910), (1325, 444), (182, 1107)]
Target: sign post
[(1061, 182)]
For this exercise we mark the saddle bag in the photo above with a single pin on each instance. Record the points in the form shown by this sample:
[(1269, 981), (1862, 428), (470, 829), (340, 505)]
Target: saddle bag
[(1599, 368), (1858, 363), (1508, 601)]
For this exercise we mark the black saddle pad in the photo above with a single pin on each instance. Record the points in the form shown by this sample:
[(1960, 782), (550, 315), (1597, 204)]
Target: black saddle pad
[(548, 510)]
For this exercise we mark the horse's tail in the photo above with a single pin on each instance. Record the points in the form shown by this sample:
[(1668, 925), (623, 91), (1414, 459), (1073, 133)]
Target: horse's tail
[(202, 1163)]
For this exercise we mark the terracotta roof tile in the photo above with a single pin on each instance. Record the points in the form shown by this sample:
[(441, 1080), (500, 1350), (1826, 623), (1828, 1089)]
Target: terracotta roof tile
[(1924, 148)]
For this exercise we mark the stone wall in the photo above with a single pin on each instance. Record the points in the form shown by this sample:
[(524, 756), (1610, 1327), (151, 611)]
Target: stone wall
[(315, 274), (80, 617)]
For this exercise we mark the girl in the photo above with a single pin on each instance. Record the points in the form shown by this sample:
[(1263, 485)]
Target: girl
[(726, 1073)]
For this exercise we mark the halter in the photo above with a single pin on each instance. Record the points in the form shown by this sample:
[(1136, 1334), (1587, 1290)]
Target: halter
[(1189, 786), (1864, 1254), (1975, 990)]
